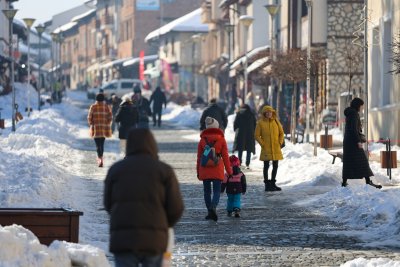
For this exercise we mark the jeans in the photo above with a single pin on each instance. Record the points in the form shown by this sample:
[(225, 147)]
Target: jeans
[(248, 157), (99, 146), (216, 188), (129, 259), (274, 170), (233, 202)]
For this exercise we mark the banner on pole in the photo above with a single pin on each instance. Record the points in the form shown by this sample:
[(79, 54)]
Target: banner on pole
[(141, 65)]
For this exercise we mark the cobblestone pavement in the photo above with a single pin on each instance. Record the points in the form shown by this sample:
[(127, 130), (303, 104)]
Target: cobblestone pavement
[(273, 231)]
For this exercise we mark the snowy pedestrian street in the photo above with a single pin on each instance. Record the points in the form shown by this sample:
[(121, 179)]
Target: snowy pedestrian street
[(272, 231)]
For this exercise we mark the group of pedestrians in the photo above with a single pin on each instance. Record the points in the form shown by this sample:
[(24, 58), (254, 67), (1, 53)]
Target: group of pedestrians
[(131, 112)]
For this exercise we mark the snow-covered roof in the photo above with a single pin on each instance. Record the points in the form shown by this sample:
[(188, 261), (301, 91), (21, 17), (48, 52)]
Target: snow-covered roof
[(23, 48), (88, 13), (65, 27), (250, 54), (137, 59), (258, 64), (190, 22), (115, 62)]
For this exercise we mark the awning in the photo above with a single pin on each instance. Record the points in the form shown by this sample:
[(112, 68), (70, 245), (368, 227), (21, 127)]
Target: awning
[(93, 67), (259, 63), (136, 60), (115, 62), (241, 60)]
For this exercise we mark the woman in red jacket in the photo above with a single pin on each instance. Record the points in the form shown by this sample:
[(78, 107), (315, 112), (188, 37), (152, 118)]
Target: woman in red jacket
[(212, 157)]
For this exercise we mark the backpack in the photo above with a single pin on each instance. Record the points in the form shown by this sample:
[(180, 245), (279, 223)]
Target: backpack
[(209, 157)]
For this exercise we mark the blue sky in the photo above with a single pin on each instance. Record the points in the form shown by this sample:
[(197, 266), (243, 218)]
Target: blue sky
[(43, 10)]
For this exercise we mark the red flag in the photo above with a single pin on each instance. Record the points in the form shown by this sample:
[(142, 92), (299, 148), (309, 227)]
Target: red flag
[(141, 65)]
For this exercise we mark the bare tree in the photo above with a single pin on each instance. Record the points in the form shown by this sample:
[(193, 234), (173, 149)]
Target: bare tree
[(395, 47)]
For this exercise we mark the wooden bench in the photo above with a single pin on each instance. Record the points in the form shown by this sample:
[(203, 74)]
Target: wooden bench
[(47, 224), (336, 154)]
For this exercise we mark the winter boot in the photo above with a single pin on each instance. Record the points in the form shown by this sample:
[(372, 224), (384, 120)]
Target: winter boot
[(267, 184), (368, 181), (100, 162), (229, 213), (344, 183), (237, 212), (209, 216), (213, 214), (274, 186)]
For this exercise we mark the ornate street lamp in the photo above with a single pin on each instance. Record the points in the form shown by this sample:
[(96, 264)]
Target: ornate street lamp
[(40, 29), (29, 22), (246, 21), (10, 13), (309, 10), (229, 28), (272, 9)]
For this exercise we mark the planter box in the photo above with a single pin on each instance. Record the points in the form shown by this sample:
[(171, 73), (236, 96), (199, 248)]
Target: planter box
[(386, 162), (325, 141), (47, 224)]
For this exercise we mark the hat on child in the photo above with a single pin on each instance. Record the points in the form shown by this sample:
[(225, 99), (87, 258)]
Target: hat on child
[(234, 161), (211, 123)]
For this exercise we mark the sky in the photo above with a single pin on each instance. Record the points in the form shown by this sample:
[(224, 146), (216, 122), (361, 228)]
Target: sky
[(43, 10), (35, 172)]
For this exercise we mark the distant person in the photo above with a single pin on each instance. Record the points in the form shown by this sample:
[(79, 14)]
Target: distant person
[(115, 102), (214, 111), (212, 157), (244, 126), (235, 186), (143, 107), (269, 134), (158, 99), (142, 196), (99, 119), (127, 117), (355, 162)]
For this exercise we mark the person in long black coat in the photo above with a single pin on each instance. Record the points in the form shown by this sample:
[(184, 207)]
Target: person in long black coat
[(244, 125), (355, 161), (214, 111), (143, 108), (158, 99), (127, 116)]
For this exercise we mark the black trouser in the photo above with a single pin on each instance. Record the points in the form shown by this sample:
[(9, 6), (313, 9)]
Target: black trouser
[(274, 170), (99, 145), (248, 156), (155, 114)]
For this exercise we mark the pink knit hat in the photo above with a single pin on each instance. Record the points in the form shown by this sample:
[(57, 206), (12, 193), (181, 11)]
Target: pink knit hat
[(234, 161)]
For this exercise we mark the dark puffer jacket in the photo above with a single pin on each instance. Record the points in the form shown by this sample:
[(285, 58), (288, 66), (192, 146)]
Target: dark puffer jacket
[(355, 162), (127, 116), (142, 196), (214, 111)]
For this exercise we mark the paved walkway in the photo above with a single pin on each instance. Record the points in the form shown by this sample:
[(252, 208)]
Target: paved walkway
[(273, 231)]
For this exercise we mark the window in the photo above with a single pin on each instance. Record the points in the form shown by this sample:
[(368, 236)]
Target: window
[(110, 86), (127, 85)]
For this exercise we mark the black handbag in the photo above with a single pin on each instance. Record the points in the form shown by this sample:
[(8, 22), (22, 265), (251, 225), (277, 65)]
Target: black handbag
[(283, 144)]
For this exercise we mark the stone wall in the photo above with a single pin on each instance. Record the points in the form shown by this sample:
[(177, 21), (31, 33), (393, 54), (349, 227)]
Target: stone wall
[(344, 20)]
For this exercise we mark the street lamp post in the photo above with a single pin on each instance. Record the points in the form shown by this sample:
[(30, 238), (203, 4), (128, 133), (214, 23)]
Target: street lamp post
[(29, 22), (10, 13), (272, 10), (229, 29), (246, 20), (309, 11), (196, 39), (40, 29), (54, 38)]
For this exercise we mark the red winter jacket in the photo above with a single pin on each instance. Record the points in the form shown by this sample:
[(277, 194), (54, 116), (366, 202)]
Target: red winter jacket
[(214, 172)]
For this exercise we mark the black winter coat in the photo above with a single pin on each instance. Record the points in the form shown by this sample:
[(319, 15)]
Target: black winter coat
[(143, 198), (158, 99), (244, 126), (127, 116), (214, 111), (143, 107), (355, 161)]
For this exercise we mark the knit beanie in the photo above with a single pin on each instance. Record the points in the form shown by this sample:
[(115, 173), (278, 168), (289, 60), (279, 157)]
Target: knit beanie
[(211, 123), (234, 160)]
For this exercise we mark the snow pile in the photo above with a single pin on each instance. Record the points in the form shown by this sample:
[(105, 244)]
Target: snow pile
[(182, 116), (361, 262), (22, 248)]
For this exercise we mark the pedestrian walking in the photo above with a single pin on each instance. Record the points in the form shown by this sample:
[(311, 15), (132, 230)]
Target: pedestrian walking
[(143, 107), (143, 199), (235, 186), (99, 119), (355, 161), (115, 102), (158, 99), (244, 126), (127, 116), (269, 134), (212, 157), (214, 111)]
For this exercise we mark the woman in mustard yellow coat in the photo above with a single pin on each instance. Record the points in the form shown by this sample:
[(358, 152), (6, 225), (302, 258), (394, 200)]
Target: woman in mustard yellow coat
[(269, 134)]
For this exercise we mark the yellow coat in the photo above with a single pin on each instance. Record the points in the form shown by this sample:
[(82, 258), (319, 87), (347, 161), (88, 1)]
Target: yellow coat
[(269, 134)]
